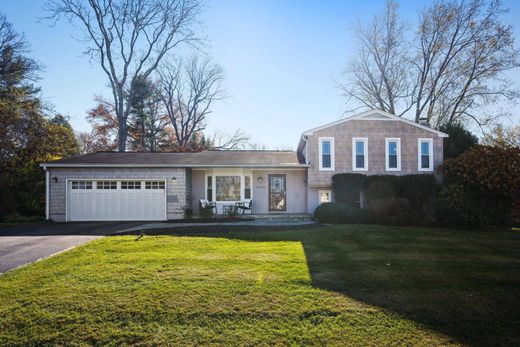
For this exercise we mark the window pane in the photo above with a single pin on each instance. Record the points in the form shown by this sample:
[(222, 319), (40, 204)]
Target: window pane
[(228, 188), (425, 148), (392, 161), (247, 188), (360, 148), (325, 147), (425, 161), (210, 188), (392, 148), (325, 161), (360, 161)]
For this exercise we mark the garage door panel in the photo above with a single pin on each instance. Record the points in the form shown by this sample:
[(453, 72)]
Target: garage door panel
[(115, 204)]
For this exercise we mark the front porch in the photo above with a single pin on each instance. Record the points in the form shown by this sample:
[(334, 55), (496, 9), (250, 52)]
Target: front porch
[(273, 192)]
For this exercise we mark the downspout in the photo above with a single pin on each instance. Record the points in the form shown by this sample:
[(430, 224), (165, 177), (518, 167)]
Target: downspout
[(47, 192), (304, 138)]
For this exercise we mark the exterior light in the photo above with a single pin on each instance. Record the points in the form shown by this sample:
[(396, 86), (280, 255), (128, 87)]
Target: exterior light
[(55, 179), (174, 178), (260, 179)]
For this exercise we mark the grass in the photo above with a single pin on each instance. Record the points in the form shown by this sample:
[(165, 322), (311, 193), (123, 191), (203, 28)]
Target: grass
[(340, 285)]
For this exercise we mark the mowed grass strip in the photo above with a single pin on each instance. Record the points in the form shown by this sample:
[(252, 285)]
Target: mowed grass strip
[(342, 285)]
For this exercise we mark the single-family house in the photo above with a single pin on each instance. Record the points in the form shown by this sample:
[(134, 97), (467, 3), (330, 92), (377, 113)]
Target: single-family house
[(106, 186)]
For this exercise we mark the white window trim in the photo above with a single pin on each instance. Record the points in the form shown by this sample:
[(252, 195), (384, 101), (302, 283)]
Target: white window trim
[(430, 153), (332, 164), (387, 164), (324, 191), (365, 153)]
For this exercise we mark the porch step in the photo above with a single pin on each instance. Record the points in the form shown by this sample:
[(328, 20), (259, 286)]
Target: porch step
[(293, 217)]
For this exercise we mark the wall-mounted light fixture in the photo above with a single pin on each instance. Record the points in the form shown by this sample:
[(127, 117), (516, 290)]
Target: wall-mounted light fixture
[(174, 178), (55, 179), (260, 179)]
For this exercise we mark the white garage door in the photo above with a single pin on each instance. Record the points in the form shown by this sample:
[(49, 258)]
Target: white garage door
[(96, 200)]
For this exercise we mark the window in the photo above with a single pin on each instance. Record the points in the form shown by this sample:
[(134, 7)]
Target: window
[(326, 153), (359, 154), (106, 185), (325, 196), (154, 185), (425, 155), (130, 185), (228, 188), (81, 184), (393, 154), (247, 187), (210, 188)]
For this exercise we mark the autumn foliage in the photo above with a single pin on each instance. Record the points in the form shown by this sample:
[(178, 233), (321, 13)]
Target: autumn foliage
[(482, 187)]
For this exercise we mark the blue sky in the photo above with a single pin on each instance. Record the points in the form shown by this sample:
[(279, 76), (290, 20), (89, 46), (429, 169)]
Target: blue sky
[(282, 60)]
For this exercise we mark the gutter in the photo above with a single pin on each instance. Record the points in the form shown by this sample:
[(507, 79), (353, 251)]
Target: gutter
[(64, 165)]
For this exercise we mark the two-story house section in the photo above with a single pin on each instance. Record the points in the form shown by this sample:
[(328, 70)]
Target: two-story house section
[(370, 143)]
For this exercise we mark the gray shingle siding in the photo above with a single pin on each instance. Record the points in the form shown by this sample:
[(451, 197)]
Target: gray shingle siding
[(176, 191), (376, 131)]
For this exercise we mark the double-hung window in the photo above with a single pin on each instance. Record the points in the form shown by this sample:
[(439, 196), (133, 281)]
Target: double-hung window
[(326, 153), (425, 155), (360, 154), (393, 154)]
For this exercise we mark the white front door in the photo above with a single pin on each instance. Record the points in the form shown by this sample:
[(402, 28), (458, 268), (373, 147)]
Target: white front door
[(106, 200)]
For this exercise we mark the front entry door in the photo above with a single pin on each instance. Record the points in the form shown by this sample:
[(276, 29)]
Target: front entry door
[(277, 193)]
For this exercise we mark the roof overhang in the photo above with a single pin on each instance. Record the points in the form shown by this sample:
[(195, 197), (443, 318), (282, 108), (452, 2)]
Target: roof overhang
[(375, 115), (252, 166)]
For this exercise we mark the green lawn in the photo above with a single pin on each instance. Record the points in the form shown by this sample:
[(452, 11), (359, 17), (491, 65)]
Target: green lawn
[(354, 285)]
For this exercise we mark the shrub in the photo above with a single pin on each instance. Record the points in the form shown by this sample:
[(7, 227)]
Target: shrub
[(332, 212), (482, 188), (460, 207), (340, 213), (390, 210), (459, 140), (206, 212), (347, 187)]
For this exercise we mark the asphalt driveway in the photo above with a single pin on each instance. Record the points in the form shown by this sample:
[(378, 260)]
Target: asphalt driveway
[(25, 244)]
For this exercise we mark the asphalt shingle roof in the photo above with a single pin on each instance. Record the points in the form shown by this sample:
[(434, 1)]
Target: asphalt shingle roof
[(199, 159)]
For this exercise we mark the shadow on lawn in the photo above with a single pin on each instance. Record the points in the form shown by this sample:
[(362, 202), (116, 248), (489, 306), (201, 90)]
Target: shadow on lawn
[(462, 284)]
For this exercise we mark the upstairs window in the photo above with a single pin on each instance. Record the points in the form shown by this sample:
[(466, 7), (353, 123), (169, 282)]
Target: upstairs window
[(393, 154), (425, 155), (359, 154), (326, 153)]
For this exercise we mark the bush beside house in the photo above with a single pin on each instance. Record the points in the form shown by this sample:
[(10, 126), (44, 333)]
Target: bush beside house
[(387, 199), (482, 188)]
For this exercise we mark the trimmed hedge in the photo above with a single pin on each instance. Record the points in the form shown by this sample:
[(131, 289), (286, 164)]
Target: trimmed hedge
[(340, 213), (390, 199)]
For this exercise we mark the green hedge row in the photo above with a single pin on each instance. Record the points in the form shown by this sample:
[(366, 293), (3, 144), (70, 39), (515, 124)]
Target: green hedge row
[(388, 199)]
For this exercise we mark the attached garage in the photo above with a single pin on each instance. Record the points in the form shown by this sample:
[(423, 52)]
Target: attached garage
[(116, 200)]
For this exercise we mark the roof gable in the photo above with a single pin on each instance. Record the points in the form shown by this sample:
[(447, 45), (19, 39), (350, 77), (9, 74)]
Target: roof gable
[(375, 115)]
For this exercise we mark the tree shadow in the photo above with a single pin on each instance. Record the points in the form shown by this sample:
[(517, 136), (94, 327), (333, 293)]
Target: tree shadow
[(465, 285)]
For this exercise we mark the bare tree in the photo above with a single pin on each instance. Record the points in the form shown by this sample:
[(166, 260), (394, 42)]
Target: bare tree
[(235, 141), (501, 136), (380, 75), (455, 70), (129, 38), (463, 52), (188, 90)]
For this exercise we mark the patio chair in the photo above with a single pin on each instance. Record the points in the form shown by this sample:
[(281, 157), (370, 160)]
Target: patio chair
[(247, 204), (205, 203)]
